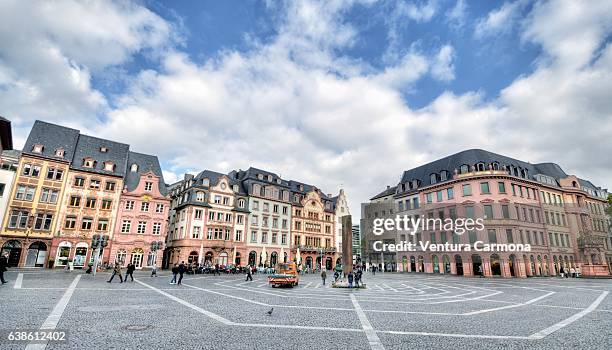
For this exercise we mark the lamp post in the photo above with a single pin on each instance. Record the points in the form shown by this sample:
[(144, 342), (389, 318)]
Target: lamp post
[(98, 242)]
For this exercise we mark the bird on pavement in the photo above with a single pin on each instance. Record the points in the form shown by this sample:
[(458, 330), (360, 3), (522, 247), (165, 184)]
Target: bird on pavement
[(270, 312)]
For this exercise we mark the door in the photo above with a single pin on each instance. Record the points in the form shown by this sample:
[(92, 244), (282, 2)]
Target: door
[(137, 260), (14, 255)]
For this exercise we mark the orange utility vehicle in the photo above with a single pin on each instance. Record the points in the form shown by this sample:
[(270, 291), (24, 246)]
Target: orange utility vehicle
[(286, 275)]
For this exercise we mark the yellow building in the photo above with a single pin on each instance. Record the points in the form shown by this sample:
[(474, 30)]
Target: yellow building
[(32, 211)]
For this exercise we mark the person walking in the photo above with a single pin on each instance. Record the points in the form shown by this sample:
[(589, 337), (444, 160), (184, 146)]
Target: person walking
[(181, 271), (357, 277), (130, 271), (323, 276), (3, 267), (350, 279), (249, 273), (154, 271), (174, 273), (116, 271), (573, 272)]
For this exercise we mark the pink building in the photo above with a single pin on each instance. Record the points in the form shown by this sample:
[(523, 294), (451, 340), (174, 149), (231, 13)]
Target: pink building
[(142, 214)]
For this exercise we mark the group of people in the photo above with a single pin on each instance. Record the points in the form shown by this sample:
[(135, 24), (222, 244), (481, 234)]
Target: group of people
[(353, 276), (128, 272), (571, 272)]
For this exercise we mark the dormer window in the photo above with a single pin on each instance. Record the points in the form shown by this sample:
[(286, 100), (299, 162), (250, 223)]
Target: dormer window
[(278, 181), (109, 166), (270, 178), (235, 188), (59, 152), (89, 163), (38, 148), (103, 149), (495, 165), (480, 167), (443, 175), (415, 184), (206, 182), (464, 169), (433, 178), (260, 176), (241, 203), (200, 196), (301, 187), (134, 168)]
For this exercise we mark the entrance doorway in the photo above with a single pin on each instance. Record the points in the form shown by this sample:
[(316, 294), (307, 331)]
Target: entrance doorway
[(237, 259), (193, 257), (80, 253), (412, 264), (477, 265), (137, 257), (447, 266), (309, 262), (495, 265), (404, 263), (511, 265), (328, 263), (252, 258), (459, 265), (421, 264), (37, 254)]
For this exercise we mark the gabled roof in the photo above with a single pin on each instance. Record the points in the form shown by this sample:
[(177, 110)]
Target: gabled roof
[(52, 137), (91, 147), (389, 191), (145, 163)]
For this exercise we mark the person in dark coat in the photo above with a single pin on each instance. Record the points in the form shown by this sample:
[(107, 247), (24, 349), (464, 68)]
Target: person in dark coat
[(130, 271), (350, 279), (249, 273), (116, 271), (175, 271), (323, 276), (3, 267), (181, 271)]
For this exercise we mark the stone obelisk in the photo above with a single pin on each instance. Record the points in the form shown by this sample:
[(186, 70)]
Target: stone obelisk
[(347, 244)]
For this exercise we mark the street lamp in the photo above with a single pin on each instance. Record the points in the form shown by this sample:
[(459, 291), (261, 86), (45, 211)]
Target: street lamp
[(97, 243)]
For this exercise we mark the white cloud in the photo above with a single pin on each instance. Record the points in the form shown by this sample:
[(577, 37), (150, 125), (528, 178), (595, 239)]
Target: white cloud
[(296, 107), (456, 16), (423, 12), (499, 21)]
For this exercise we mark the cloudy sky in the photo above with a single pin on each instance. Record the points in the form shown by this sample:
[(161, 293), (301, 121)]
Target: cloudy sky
[(334, 93)]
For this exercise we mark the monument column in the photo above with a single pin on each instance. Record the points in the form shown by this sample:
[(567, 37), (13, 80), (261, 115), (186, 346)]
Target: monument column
[(347, 244)]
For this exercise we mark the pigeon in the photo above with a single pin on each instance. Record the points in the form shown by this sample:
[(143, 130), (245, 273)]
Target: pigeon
[(270, 312)]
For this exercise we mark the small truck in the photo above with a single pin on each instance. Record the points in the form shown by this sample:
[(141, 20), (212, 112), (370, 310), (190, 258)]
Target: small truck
[(286, 275)]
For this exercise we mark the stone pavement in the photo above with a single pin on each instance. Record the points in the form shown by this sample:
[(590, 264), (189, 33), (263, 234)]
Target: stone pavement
[(396, 311)]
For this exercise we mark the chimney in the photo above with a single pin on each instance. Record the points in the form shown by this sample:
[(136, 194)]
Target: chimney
[(388, 187)]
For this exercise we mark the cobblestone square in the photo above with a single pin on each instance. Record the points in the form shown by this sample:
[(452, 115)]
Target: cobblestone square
[(395, 311)]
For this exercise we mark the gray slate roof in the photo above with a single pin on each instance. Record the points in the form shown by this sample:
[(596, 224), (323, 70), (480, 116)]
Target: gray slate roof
[(388, 191), (90, 147), (145, 164), (52, 137)]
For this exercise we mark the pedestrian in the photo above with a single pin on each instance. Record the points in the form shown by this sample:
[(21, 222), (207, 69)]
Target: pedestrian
[(567, 272), (3, 267), (249, 273), (573, 272), (323, 276), (181, 271), (373, 270), (578, 271), (116, 271), (175, 271), (480, 271), (217, 271), (562, 271), (154, 271), (130, 271), (357, 277), (350, 279)]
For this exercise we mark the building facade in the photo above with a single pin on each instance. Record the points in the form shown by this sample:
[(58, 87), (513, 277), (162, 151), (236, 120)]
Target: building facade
[(88, 204), (142, 216), (560, 216), (313, 227)]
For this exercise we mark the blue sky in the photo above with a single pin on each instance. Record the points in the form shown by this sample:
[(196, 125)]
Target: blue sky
[(339, 93)]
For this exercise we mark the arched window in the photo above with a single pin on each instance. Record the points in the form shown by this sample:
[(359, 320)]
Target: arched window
[(480, 167), (464, 169), (495, 166), (433, 178), (134, 168)]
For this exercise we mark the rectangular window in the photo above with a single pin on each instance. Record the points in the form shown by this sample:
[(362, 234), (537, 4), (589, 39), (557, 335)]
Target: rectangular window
[(217, 199), (198, 214), (469, 212), (94, 184), (109, 186), (415, 203), (102, 225), (129, 205), (79, 181), (429, 197), (48, 195), (439, 196), (226, 201), (195, 234), (18, 219), (501, 187), (75, 201), (274, 237), (253, 236), (159, 208), (54, 174), (443, 237), (509, 237), (473, 237), (148, 186), (90, 203), (142, 227), (157, 228), (144, 206), (433, 238), (492, 236), (70, 223), (126, 226), (450, 193), (106, 204), (484, 188), (86, 223), (488, 211), (467, 190), (505, 211), (264, 237)]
